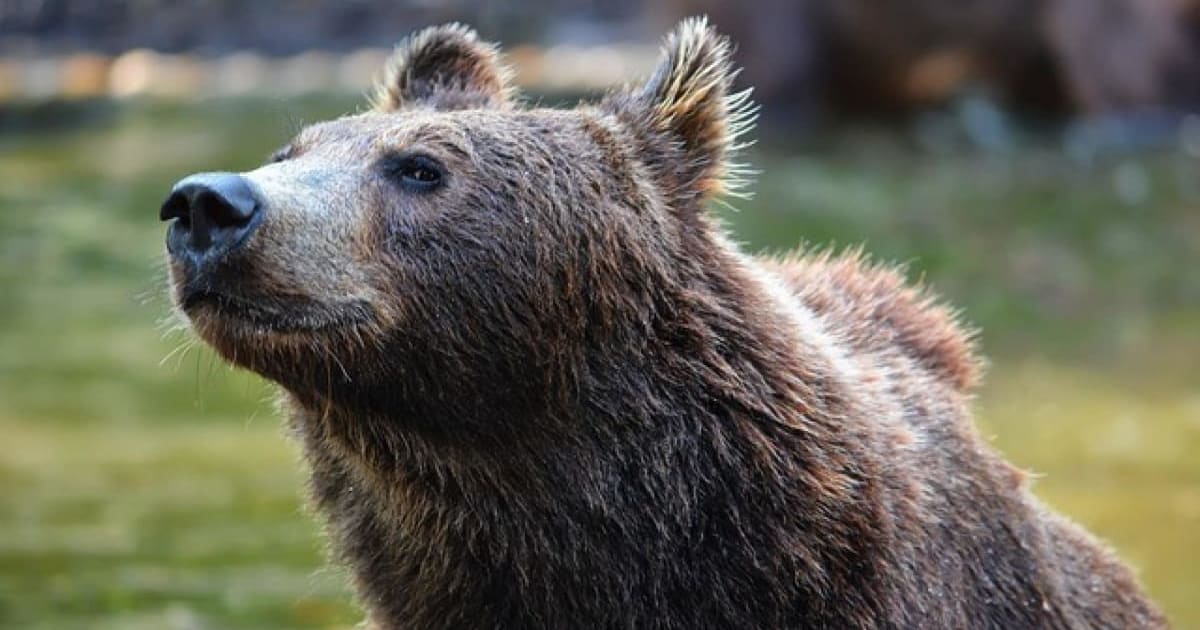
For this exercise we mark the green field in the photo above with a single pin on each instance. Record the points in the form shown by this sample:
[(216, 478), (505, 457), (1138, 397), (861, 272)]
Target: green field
[(145, 485)]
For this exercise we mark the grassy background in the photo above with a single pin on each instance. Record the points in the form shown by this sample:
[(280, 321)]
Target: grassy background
[(145, 485)]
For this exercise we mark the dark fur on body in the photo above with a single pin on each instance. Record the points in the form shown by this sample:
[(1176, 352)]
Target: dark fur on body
[(553, 395)]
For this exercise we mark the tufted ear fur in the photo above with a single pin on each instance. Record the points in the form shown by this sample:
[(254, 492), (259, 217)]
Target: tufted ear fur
[(443, 67), (687, 109)]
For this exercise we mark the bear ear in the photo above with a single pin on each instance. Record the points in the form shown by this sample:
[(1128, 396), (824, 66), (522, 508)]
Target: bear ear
[(443, 67), (687, 110)]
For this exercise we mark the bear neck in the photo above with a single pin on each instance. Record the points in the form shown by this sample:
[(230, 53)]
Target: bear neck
[(734, 345), (652, 449)]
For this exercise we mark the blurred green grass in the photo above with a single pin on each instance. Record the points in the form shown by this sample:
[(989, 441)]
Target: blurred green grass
[(143, 492)]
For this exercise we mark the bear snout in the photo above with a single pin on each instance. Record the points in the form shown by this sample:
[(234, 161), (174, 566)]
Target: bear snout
[(211, 215)]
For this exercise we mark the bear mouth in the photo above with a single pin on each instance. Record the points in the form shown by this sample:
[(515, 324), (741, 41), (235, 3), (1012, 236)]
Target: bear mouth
[(273, 314)]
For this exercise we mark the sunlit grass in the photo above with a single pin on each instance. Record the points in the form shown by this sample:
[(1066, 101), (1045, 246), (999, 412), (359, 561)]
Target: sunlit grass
[(159, 524), (143, 484)]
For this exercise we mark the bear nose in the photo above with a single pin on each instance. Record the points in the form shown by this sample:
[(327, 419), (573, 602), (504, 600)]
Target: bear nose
[(213, 214)]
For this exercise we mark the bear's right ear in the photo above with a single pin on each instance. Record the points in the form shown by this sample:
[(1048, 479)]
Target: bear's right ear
[(443, 67)]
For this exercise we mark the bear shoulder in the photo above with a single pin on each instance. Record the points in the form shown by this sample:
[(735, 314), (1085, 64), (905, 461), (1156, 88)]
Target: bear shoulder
[(870, 304)]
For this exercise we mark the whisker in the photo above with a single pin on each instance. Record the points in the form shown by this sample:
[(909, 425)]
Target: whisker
[(183, 347)]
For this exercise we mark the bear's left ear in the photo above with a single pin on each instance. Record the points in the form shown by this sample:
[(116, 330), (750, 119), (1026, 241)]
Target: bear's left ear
[(443, 67), (686, 117)]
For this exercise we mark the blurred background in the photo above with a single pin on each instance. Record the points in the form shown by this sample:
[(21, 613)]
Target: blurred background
[(1036, 161)]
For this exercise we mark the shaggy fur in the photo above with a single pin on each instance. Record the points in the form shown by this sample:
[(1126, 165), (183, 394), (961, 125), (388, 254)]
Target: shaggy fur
[(550, 393)]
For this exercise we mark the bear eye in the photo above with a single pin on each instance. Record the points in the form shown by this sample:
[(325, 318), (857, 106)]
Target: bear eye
[(417, 173)]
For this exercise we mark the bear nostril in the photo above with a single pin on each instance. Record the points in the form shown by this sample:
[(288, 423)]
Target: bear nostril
[(176, 207), (219, 211)]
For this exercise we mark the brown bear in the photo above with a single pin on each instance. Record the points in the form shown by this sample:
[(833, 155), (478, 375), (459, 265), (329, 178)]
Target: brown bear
[(538, 387)]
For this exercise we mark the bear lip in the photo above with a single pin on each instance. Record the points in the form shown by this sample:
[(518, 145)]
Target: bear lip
[(295, 316)]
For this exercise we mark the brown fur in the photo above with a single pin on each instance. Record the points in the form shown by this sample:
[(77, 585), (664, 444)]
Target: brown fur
[(550, 393)]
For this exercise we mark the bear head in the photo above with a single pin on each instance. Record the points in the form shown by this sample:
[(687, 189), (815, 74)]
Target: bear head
[(451, 238)]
